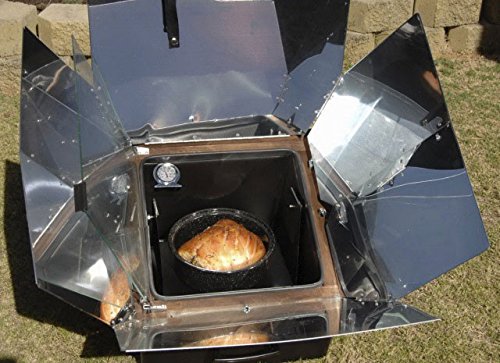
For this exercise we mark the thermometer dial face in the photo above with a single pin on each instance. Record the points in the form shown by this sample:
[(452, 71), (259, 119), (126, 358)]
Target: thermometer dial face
[(166, 174)]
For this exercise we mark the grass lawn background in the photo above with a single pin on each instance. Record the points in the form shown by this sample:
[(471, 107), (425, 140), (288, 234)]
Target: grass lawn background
[(36, 327)]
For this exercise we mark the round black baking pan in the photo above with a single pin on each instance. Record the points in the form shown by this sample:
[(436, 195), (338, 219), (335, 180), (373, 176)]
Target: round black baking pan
[(203, 280)]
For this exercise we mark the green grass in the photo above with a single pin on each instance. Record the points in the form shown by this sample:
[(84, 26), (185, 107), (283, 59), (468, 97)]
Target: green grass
[(35, 327)]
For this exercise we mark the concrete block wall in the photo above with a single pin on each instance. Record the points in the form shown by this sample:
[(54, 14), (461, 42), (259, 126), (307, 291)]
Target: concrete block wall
[(451, 25), (58, 22), (13, 17)]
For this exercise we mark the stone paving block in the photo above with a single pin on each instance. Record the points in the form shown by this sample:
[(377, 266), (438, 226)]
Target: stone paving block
[(13, 17), (447, 13), (10, 74), (380, 37), (58, 22), (491, 11), (437, 40), (474, 37), (358, 45), (372, 16)]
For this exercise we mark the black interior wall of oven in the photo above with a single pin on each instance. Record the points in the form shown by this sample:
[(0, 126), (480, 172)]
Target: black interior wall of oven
[(266, 184)]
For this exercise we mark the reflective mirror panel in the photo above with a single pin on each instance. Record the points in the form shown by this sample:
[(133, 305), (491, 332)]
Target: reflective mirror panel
[(358, 317), (313, 35), (225, 324), (73, 252), (117, 213), (233, 59), (49, 133), (101, 132), (293, 328), (44, 70), (49, 154), (111, 180), (229, 63), (426, 221), (79, 261), (383, 141), (380, 111), (344, 316)]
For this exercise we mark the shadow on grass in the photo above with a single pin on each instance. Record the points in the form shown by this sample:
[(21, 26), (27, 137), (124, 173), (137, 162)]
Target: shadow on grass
[(489, 46), (32, 302), (490, 43)]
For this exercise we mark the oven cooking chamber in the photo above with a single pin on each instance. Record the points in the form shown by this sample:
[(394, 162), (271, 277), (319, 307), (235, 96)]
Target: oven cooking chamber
[(268, 185)]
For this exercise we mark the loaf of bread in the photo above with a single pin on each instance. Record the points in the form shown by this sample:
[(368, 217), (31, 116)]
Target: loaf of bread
[(225, 246), (232, 339), (116, 296)]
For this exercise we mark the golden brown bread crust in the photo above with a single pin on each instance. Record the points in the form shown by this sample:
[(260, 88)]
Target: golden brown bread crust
[(225, 246), (232, 339), (116, 296)]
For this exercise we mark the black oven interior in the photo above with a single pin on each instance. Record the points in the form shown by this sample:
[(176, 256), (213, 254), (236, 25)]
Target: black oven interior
[(267, 184)]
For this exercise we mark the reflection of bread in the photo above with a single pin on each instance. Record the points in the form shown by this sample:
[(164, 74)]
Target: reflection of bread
[(225, 246), (232, 339), (116, 296)]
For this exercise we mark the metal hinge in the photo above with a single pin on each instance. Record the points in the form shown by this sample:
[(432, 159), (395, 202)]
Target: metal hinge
[(126, 313), (341, 213), (148, 308)]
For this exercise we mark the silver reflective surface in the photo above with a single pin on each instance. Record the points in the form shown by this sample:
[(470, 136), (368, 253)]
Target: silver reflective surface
[(112, 186), (424, 223), (115, 210), (236, 58), (49, 154), (230, 61), (49, 133), (380, 111), (85, 234), (78, 260), (313, 35), (44, 195), (383, 141), (358, 317), (367, 132), (347, 318), (101, 132)]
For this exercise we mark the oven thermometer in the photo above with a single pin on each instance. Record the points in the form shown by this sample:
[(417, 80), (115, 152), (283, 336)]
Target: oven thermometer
[(166, 175)]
